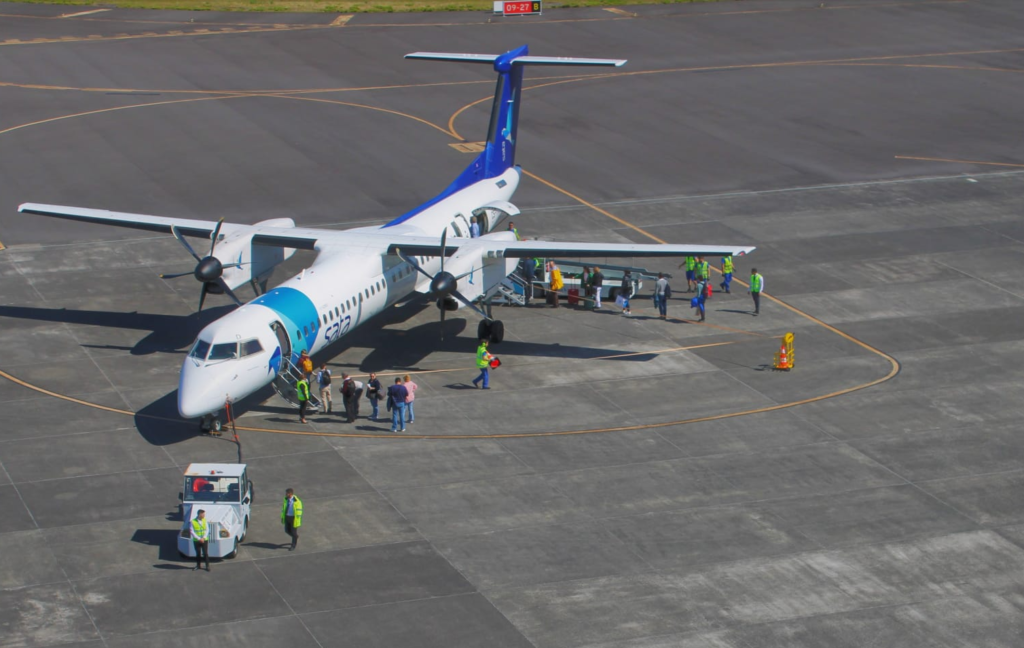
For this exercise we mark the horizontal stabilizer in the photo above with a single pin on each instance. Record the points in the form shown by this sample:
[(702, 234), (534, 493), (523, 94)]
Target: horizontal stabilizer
[(519, 60)]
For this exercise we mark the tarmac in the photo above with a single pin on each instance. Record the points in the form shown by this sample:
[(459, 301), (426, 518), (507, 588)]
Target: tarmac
[(626, 482)]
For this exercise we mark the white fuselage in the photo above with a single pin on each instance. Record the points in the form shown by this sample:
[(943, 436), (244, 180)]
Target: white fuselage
[(242, 352)]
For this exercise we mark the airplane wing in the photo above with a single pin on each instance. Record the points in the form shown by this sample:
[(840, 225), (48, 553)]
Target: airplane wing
[(547, 249), (301, 238)]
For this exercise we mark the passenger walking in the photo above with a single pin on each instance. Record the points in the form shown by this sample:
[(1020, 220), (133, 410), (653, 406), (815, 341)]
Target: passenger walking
[(556, 282), (662, 292), (305, 364), (626, 292), (397, 394), (702, 295), (726, 273), (755, 290), (291, 516), (302, 391), (323, 378), (597, 281), (373, 392), (586, 284), (410, 387), (691, 265), (474, 227), (201, 539), (349, 398), (483, 363), (527, 266)]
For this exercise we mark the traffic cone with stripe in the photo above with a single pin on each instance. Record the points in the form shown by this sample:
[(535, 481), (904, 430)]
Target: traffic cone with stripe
[(782, 359)]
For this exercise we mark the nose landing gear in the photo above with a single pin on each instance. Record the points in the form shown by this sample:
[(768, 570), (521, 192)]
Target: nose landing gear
[(210, 424)]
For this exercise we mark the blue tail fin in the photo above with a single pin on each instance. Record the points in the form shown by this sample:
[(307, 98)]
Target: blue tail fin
[(499, 152)]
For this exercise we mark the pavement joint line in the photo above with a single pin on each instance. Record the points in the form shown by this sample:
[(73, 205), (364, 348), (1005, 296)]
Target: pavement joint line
[(305, 627), (935, 159)]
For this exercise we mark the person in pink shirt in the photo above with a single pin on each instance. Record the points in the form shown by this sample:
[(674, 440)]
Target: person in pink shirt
[(410, 387)]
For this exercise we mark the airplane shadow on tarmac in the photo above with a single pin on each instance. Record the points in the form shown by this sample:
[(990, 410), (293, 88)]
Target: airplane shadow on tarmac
[(168, 333)]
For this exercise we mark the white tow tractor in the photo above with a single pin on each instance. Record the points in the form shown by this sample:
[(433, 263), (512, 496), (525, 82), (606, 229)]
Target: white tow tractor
[(226, 494)]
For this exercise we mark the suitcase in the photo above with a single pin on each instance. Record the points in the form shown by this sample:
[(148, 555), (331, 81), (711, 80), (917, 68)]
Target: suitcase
[(574, 296)]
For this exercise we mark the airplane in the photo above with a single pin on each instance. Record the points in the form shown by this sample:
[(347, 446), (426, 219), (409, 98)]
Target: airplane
[(360, 272)]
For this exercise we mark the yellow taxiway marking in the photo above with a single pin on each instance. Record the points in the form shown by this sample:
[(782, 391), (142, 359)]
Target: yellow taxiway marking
[(341, 20), (620, 12), (468, 147), (933, 159), (83, 13)]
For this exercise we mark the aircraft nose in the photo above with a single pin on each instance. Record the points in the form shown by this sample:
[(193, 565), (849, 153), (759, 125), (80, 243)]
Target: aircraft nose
[(197, 393)]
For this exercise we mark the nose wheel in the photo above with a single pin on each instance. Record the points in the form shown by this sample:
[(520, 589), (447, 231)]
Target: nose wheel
[(210, 424)]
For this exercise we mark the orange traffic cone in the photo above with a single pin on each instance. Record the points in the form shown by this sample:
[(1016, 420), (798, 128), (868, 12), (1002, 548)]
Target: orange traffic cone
[(783, 361)]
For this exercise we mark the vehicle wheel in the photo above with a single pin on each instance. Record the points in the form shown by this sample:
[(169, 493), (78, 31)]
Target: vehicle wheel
[(234, 551), (483, 330), (497, 331), (245, 530)]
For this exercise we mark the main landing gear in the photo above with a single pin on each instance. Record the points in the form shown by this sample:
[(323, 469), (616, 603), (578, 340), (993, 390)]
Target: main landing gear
[(491, 330)]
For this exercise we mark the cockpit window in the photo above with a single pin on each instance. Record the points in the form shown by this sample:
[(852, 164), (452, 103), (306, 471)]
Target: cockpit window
[(250, 347), (201, 348), (226, 351)]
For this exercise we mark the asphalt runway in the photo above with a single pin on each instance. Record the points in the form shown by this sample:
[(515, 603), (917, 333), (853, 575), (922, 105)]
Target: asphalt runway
[(626, 482)]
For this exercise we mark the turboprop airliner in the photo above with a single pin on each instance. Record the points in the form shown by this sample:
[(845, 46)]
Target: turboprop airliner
[(360, 272)]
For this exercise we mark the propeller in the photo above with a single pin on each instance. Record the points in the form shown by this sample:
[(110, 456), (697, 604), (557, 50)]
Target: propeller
[(444, 284), (209, 270)]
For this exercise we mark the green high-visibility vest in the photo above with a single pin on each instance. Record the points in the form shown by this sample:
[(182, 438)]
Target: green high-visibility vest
[(297, 509), (702, 269), (482, 357), (727, 265), (515, 230), (756, 283), (200, 529), (691, 263), (302, 387)]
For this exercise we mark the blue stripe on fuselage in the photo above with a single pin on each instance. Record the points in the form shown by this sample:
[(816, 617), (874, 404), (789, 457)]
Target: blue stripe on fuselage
[(296, 311)]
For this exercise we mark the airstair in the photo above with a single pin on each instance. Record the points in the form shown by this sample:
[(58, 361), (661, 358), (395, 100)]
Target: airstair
[(511, 291), (285, 385)]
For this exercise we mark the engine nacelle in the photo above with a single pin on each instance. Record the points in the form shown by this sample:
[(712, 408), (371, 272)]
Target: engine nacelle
[(244, 262)]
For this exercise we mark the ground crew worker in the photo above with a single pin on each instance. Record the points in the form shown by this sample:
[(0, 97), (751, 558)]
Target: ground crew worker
[(483, 363), (690, 263), (726, 272), (701, 298), (291, 516), (756, 287), (512, 228), (302, 390), (702, 271), (201, 539)]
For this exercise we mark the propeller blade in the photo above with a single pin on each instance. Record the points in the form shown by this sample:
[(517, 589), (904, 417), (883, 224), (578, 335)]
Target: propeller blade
[(444, 246), (202, 298), (216, 234), (227, 291), (411, 261), (175, 275), (184, 243), (457, 295)]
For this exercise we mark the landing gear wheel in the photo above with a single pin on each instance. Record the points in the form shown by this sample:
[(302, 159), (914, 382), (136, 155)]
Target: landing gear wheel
[(216, 426), (483, 330), (497, 331)]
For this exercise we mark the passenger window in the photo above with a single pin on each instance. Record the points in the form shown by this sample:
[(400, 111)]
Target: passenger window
[(305, 330), (297, 334), (337, 312)]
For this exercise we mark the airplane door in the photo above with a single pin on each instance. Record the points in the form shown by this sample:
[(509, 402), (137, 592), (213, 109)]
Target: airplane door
[(282, 338)]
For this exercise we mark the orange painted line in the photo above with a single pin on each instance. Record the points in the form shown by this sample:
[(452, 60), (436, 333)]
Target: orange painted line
[(355, 105), (932, 159)]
